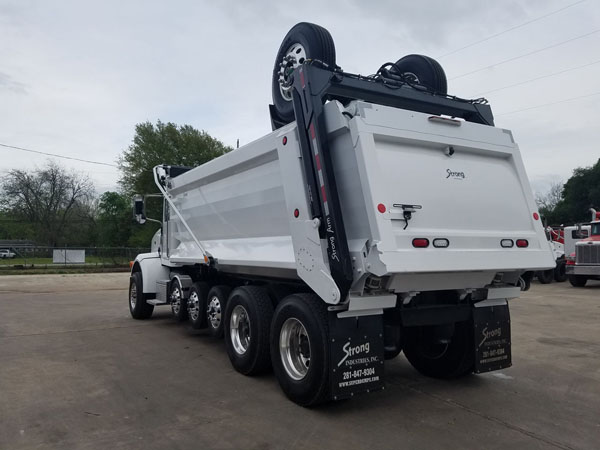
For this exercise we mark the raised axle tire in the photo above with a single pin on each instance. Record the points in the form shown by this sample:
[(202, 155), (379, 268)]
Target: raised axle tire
[(197, 305), (215, 310), (560, 272), (138, 307), (450, 360), (248, 315), (577, 280), (303, 41), (545, 276), (300, 350), (424, 71), (178, 302)]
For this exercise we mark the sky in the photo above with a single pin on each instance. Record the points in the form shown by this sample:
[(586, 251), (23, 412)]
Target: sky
[(77, 76)]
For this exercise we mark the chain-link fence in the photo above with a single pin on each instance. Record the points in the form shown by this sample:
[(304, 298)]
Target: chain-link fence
[(21, 258)]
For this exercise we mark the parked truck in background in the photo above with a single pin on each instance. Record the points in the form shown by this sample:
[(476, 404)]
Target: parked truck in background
[(584, 263), (381, 215)]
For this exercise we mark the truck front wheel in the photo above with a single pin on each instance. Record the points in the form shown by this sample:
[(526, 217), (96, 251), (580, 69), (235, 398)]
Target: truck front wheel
[(138, 307), (545, 276), (560, 272), (300, 348), (451, 357), (577, 280), (248, 315)]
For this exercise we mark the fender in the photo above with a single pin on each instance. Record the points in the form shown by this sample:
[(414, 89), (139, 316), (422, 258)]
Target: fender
[(152, 270)]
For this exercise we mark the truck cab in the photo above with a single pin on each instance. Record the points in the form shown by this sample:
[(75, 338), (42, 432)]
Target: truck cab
[(584, 263)]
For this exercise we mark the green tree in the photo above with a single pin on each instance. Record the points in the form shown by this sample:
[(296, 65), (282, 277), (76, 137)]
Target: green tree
[(114, 220), (164, 143), (580, 193)]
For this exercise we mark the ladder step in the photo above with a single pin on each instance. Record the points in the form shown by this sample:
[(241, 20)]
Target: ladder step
[(156, 302)]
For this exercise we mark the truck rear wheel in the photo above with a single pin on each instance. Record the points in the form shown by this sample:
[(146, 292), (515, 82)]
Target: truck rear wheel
[(300, 348), (248, 315), (450, 359), (545, 276), (197, 305), (178, 303), (577, 280), (560, 272), (215, 309), (138, 307)]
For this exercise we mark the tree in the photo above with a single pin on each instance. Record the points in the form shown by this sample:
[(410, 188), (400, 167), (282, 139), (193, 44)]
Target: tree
[(114, 220), (580, 193), (51, 199), (547, 202), (165, 143)]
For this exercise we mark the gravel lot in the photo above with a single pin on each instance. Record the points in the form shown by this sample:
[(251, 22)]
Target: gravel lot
[(76, 372)]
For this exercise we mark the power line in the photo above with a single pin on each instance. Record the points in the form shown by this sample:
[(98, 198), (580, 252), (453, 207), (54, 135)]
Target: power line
[(509, 29), (514, 58), (58, 156), (549, 104), (538, 78)]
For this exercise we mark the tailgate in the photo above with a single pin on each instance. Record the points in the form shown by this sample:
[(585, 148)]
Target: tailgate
[(472, 199)]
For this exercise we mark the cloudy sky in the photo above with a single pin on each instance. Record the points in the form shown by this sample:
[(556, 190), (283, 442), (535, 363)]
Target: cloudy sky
[(76, 76)]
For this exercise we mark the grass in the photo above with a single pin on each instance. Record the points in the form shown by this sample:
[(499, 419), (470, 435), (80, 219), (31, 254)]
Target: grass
[(96, 260)]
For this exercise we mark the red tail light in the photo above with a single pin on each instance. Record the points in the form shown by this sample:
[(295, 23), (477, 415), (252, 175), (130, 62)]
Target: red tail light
[(522, 243), (420, 242)]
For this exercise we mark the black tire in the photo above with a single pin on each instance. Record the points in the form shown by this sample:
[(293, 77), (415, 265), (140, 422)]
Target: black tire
[(426, 71), (317, 44), (560, 272), (452, 360), (577, 280), (178, 303), (215, 310), (392, 340), (197, 305), (256, 309), (311, 312), (545, 276), (139, 309)]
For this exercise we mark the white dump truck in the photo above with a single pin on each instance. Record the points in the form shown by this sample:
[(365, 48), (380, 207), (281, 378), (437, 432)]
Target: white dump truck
[(381, 215)]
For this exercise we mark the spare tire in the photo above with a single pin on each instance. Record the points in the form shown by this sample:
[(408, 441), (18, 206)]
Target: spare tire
[(304, 41), (422, 70)]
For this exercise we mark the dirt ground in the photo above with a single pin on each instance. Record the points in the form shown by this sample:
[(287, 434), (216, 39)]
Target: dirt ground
[(76, 372)]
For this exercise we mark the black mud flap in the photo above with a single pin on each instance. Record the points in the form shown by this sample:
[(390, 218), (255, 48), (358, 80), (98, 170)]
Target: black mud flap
[(356, 349), (492, 338)]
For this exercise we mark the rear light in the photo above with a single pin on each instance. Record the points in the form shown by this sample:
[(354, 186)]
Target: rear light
[(420, 243), (507, 243), (441, 243), (381, 208), (570, 262), (536, 216), (522, 243)]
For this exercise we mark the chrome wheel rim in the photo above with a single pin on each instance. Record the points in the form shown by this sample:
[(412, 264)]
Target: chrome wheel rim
[(176, 300), (239, 326), (133, 295), (194, 306), (213, 312), (294, 348), (294, 57)]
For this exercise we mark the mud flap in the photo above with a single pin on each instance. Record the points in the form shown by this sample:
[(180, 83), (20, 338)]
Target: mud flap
[(491, 326), (356, 355)]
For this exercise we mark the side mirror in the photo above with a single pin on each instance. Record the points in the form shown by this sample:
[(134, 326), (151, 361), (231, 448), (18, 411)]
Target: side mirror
[(138, 209)]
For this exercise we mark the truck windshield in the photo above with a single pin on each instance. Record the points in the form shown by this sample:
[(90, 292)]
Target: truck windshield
[(595, 229)]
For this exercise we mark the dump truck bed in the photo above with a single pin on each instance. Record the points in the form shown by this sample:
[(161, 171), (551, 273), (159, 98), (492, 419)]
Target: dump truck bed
[(400, 175)]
